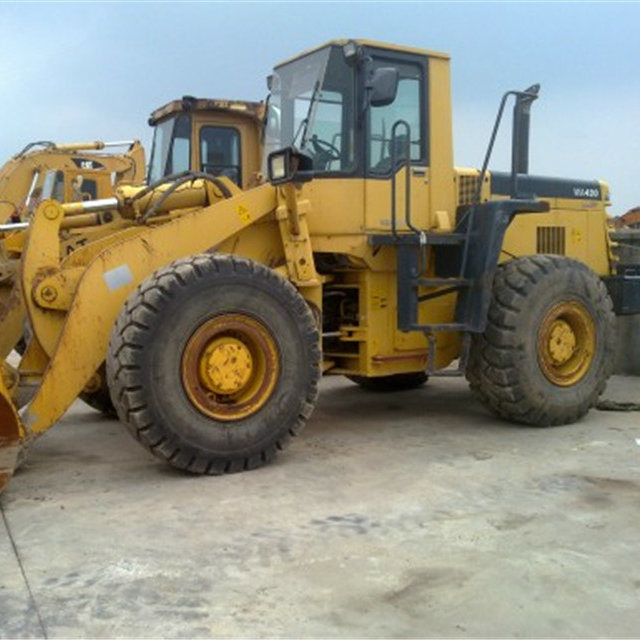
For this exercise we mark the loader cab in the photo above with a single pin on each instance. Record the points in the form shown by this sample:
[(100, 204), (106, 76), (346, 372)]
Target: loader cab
[(84, 179), (373, 114), (218, 137)]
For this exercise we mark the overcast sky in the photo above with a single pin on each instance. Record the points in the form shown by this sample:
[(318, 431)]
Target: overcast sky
[(86, 71)]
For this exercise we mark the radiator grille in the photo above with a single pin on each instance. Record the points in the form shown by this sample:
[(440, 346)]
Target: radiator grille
[(466, 189), (550, 240)]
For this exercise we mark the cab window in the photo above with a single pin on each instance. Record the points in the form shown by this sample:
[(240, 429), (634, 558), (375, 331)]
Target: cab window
[(326, 141), (83, 189), (180, 156), (220, 152), (312, 106), (331, 119), (54, 186), (171, 150), (407, 107)]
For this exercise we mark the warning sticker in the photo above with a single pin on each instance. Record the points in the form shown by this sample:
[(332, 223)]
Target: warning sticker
[(243, 213)]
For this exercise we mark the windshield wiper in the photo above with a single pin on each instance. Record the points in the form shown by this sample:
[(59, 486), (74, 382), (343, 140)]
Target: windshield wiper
[(265, 118), (304, 125)]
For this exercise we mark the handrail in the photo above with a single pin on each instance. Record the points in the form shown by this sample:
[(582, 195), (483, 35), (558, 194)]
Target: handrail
[(407, 164)]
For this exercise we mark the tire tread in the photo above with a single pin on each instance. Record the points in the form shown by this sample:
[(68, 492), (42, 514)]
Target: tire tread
[(127, 345), (492, 371)]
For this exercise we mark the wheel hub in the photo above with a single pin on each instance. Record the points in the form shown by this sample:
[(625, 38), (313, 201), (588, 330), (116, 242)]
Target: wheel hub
[(562, 341), (226, 366), (566, 343), (230, 366)]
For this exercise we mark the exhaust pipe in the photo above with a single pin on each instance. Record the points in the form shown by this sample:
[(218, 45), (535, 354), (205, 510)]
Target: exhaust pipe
[(519, 138), (520, 134)]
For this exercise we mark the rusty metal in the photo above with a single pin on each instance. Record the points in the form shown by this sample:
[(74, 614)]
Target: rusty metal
[(253, 388), (10, 436), (253, 109), (12, 317), (566, 343), (629, 219), (404, 356)]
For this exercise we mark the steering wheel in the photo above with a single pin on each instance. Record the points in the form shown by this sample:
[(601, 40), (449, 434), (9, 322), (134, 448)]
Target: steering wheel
[(324, 148)]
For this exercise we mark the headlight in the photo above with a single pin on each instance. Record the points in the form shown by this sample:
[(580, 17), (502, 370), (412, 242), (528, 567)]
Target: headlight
[(277, 167), (289, 164)]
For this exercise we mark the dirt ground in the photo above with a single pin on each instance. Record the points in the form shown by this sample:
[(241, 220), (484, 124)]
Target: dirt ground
[(405, 515)]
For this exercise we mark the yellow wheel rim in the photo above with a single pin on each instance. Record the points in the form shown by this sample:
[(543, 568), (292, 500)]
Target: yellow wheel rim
[(566, 343), (230, 367)]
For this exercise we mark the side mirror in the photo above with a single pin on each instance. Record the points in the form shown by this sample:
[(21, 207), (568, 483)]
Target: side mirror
[(382, 86)]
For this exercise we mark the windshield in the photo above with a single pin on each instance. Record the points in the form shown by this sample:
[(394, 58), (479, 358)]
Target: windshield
[(311, 107), (171, 149)]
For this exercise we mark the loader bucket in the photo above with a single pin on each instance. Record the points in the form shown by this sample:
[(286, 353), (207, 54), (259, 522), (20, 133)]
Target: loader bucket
[(10, 440)]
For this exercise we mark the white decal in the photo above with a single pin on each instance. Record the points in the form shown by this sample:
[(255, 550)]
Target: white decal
[(119, 277), (584, 192)]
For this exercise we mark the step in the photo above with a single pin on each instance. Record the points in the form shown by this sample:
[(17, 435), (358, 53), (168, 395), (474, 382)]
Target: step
[(389, 239), (444, 282), (444, 326)]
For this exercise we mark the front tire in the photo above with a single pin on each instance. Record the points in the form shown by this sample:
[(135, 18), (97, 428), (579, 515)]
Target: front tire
[(214, 363), (549, 345)]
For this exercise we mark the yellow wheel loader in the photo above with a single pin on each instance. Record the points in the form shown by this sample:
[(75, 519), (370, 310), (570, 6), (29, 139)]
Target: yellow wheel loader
[(366, 254), (66, 172), (212, 136), (219, 137), (69, 172)]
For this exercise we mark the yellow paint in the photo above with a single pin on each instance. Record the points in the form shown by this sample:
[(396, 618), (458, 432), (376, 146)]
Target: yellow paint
[(226, 366), (316, 235), (371, 43), (587, 238), (244, 214), (230, 367), (77, 341), (30, 169), (566, 343)]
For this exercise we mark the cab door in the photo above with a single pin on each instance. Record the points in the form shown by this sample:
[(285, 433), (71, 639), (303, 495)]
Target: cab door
[(394, 132), (229, 146)]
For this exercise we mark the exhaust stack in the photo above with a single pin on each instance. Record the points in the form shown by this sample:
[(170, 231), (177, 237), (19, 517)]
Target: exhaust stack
[(520, 134)]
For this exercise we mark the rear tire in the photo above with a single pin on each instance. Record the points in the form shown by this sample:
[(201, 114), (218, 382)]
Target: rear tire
[(175, 356), (395, 382), (549, 345), (100, 399)]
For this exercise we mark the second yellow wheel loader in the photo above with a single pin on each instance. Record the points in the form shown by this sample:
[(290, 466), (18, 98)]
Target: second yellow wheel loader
[(367, 254), (64, 172), (212, 136), (218, 137), (67, 172)]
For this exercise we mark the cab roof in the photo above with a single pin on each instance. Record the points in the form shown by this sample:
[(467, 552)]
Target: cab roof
[(252, 110), (369, 43)]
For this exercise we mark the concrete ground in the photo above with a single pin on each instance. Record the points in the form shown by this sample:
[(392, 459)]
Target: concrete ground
[(408, 515)]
